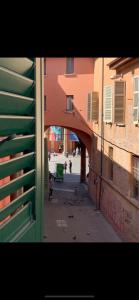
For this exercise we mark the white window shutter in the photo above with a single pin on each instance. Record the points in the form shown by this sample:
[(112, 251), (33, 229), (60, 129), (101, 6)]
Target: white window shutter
[(108, 104), (89, 107), (136, 101), (119, 101)]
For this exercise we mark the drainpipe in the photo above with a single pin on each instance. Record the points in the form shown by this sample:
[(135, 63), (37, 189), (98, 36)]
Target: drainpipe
[(101, 134)]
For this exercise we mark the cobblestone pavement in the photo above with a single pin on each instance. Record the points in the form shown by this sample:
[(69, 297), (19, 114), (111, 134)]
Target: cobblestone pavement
[(71, 216)]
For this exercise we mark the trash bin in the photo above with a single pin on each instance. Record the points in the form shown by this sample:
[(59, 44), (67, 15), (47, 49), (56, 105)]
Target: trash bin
[(59, 172)]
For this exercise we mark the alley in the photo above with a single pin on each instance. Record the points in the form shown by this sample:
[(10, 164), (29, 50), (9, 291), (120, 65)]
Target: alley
[(71, 216)]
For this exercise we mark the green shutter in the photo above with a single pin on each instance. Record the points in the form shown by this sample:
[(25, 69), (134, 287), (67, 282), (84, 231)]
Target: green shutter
[(22, 132)]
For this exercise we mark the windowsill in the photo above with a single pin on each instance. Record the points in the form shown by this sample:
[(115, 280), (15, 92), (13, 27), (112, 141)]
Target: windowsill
[(70, 74), (108, 123), (120, 125), (69, 112)]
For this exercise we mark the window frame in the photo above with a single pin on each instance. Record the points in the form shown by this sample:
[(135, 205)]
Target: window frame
[(135, 107), (110, 165), (72, 97), (68, 72), (133, 179)]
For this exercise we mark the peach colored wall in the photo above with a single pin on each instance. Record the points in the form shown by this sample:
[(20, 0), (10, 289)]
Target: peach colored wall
[(3, 181), (117, 203), (58, 85)]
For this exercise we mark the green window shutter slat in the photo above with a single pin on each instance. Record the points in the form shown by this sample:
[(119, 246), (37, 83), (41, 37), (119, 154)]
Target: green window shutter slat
[(119, 101), (14, 165), (15, 224), (15, 104), (14, 83), (108, 103), (18, 65), (14, 185), (21, 200), (95, 106), (15, 124), (19, 144), (136, 100)]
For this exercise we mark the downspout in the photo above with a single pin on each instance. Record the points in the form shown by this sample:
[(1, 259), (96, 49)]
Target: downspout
[(102, 135)]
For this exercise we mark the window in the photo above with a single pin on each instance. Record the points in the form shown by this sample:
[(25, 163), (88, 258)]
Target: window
[(70, 65), (44, 103), (45, 66), (95, 106), (92, 106), (119, 102), (89, 105), (108, 103), (110, 168), (136, 100), (135, 172), (69, 103)]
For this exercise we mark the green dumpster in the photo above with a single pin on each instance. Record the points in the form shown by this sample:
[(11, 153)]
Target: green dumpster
[(59, 172)]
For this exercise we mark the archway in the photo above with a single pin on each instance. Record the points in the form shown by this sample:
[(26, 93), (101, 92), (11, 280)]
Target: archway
[(85, 144)]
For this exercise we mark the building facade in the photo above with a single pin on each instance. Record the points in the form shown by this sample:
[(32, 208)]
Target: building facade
[(67, 82), (98, 99), (114, 168)]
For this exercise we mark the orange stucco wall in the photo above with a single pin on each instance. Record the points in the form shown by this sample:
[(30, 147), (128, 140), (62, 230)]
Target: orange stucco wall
[(58, 85)]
